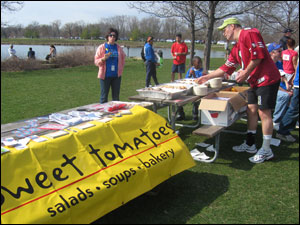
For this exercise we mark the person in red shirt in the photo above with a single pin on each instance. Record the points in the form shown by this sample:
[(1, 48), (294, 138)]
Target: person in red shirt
[(258, 69), (289, 59), (179, 50)]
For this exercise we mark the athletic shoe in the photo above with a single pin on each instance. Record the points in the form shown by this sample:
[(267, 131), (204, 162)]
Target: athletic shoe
[(245, 148), (288, 138), (261, 156)]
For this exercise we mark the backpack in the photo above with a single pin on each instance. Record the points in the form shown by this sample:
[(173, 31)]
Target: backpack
[(143, 54)]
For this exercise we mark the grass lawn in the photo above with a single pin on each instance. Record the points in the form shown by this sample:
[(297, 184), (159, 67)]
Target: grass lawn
[(230, 190)]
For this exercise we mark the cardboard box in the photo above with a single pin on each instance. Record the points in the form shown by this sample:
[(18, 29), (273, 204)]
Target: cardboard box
[(237, 89), (222, 109)]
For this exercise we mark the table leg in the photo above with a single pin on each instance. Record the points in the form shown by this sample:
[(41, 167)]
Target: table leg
[(191, 126), (155, 107), (172, 116), (217, 146)]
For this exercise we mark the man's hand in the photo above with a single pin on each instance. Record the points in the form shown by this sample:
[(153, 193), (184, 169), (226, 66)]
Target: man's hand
[(202, 79), (242, 76)]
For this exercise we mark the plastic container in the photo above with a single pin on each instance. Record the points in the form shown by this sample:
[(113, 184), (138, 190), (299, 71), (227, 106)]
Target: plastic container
[(200, 90), (216, 83)]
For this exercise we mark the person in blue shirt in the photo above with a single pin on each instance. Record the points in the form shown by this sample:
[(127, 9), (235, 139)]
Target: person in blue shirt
[(289, 120), (284, 92), (151, 62), (195, 71), (31, 54), (110, 58)]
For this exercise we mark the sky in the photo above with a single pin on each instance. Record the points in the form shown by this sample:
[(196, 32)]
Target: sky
[(45, 12)]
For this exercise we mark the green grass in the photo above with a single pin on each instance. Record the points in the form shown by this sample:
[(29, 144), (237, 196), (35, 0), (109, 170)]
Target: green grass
[(230, 190)]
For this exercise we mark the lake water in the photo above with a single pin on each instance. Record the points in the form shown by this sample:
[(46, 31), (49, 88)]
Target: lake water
[(42, 50)]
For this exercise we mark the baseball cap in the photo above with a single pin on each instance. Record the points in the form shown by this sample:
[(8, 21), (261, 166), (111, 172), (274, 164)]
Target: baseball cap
[(288, 30), (229, 21), (273, 46)]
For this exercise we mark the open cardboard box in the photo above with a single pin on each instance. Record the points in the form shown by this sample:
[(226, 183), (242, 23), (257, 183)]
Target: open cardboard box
[(237, 89), (221, 109)]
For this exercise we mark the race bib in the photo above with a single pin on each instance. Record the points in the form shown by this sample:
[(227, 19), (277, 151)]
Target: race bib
[(286, 57)]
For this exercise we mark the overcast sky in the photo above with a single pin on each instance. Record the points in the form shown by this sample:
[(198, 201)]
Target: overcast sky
[(45, 12)]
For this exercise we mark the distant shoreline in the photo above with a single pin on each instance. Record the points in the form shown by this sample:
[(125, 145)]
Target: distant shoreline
[(70, 42)]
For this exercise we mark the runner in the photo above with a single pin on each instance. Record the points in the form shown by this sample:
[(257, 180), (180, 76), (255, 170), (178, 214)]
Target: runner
[(260, 72)]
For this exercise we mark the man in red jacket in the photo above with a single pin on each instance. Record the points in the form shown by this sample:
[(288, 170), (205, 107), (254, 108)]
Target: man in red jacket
[(260, 72)]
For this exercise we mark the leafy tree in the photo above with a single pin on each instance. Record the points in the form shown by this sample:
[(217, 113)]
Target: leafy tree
[(85, 34), (135, 34)]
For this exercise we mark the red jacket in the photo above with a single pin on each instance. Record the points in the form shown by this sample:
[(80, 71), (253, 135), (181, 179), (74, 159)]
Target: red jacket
[(251, 46)]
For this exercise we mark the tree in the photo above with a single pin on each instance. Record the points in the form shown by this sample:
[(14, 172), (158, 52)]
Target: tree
[(56, 28), (170, 27), (185, 10), (150, 26), (214, 11), (32, 30), (85, 33), (198, 15), (278, 15), (135, 34), (10, 6), (67, 30)]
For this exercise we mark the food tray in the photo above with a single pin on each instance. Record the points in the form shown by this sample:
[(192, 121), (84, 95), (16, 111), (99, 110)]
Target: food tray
[(159, 94), (188, 81), (165, 91)]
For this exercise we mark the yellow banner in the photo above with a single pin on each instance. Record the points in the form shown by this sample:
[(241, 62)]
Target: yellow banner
[(79, 177)]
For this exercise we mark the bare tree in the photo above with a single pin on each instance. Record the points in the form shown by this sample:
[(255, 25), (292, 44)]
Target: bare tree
[(197, 14), (150, 26), (67, 30), (186, 10), (214, 11), (171, 26), (10, 6), (56, 28), (278, 15)]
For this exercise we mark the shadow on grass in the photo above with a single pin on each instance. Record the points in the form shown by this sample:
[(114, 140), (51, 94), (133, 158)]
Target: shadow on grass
[(179, 199), (238, 160)]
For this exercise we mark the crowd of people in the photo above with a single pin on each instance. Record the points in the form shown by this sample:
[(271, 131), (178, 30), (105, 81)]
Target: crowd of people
[(272, 73), (31, 54)]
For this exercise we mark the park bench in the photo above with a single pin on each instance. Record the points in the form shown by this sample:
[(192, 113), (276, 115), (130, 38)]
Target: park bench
[(211, 131)]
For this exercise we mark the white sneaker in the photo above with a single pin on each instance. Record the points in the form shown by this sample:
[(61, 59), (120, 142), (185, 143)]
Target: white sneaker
[(245, 148), (288, 138), (261, 156)]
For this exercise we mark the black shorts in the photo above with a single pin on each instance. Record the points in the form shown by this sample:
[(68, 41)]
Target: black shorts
[(264, 97), (178, 68)]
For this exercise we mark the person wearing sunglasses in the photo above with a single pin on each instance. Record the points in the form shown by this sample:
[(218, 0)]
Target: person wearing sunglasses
[(110, 58)]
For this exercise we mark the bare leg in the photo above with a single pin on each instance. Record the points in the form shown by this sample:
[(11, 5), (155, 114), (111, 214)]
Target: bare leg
[(179, 76), (252, 116), (172, 77), (266, 121)]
